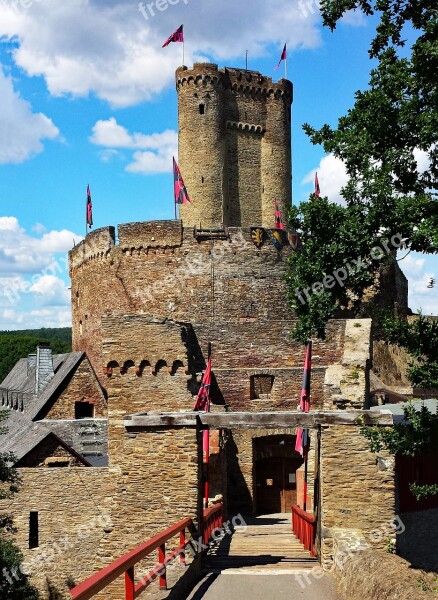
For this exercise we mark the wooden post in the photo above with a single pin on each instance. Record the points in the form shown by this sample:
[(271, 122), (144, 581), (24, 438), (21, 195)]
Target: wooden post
[(306, 456), (163, 570), (129, 584), (182, 541)]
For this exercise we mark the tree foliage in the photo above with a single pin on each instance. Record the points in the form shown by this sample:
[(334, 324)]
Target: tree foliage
[(420, 338), (379, 140), (416, 435), (18, 344)]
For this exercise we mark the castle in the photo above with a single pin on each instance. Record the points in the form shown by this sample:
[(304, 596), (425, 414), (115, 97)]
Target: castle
[(147, 301)]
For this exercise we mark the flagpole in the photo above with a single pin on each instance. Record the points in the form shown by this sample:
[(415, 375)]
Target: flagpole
[(285, 68), (246, 61), (183, 45), (206, 444)]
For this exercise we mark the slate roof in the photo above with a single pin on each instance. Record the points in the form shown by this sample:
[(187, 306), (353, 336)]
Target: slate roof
[(24, 432), (22, 436), (19, 380)]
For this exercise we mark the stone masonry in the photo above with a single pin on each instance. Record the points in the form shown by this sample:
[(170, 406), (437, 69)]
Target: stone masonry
[(234, 145)]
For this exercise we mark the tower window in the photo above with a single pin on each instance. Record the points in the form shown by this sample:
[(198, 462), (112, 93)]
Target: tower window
[(84, 410), (202, 180), (33, 529), (201, 109)]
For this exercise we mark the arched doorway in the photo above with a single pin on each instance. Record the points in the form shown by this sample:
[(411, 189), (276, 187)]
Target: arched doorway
[(275, 463)]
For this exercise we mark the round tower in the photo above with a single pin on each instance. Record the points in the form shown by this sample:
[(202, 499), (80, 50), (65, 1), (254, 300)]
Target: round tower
[(201, 143), (234, 146)]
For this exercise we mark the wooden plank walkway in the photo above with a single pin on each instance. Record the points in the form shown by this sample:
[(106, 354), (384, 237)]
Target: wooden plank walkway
[(265, 543)]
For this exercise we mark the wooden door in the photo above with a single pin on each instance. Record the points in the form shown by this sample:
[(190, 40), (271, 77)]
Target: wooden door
[(276, 488)]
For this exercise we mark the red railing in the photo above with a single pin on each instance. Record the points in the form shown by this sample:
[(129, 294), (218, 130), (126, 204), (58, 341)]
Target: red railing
[(303, 526), (125, 564), (213, 519)]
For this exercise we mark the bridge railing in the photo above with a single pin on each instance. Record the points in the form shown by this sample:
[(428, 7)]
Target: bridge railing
[(304, 527), (125, 565)]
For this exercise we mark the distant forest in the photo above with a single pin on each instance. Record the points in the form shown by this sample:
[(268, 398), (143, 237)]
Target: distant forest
[(18, 344)]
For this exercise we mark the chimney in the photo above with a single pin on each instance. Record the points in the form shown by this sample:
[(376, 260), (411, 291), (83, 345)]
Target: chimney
[(44, 367), (31, 362)]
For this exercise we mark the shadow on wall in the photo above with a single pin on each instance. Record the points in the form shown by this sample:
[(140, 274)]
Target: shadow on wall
[(419, 542), (239, 496)]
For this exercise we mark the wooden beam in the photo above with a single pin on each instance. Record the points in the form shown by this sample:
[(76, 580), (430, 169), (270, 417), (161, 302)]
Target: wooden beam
[(254, 420)]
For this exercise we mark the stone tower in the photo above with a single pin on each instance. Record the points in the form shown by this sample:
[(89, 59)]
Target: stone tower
[(234, 146)]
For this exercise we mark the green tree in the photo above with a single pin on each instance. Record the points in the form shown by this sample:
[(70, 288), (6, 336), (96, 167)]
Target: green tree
[(14, 585), (378, 140), (18, 344), (420, 338), (417, 434)]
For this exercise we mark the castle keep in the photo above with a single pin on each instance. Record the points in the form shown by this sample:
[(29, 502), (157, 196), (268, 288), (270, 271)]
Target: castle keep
[(234, 145), (148, 298)]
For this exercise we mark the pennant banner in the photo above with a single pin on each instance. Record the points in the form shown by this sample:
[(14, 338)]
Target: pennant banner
[(177, 36), (317, 188), (89, 208), (180, 191), (203, 400), (278, 224), (282, 57), (303, 434)]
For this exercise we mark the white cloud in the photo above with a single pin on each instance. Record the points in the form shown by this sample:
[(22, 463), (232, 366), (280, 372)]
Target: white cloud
[(33, 275), (419, 269), (355, 18), (154, 151), (21, 130), (23, 253), (50, 291), (423, 160), (108, 48), (332, 176)]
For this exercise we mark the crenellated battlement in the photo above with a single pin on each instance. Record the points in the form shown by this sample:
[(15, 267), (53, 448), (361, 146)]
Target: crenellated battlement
[(164, 237), (97, 244), (250, 83)]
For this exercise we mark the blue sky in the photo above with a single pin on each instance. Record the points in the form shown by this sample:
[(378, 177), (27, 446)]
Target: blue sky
[(88, 96)]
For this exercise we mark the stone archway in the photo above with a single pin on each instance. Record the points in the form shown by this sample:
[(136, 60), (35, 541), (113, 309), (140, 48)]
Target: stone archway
[(275, 464)]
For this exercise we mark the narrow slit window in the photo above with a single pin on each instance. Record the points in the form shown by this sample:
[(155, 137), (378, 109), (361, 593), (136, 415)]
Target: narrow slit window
[(201, 109), (33, 530)]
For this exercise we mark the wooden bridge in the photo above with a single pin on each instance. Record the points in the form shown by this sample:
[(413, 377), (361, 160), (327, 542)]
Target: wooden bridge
[(280, 544)]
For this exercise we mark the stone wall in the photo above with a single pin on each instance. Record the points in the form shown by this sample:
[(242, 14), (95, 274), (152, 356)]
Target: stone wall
[(152, 271), (357, 490), (89, 437), (82, 386), (74, 523), (234, 145), (49, 453)]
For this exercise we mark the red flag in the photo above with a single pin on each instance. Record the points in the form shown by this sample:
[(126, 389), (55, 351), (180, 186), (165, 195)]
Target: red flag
[(89, 208), (203, 400), (177, 36), (278, 222), (317, 191), (303, 434), (180, 191), (282, 57)]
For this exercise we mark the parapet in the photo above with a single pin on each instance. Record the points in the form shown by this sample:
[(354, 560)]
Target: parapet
[(131, 236), (150, 234), (238, 80), (98, 243)]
